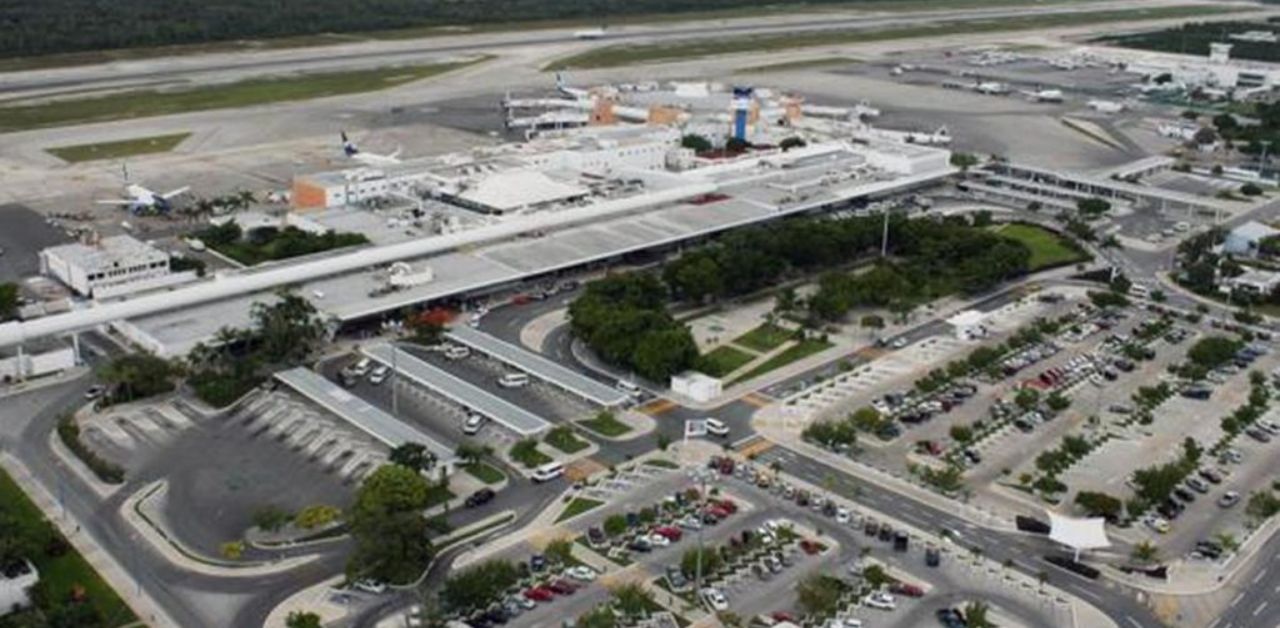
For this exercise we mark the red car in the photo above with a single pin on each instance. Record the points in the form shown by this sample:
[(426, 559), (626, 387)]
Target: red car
[(907, 589), (717, 511), (728, 505), (781, 616), (672, 533), (539, 594), (562, 587)]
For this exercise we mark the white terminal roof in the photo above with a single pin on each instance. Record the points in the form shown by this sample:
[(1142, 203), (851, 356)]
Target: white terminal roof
[(108, 252), (538, 366), (461, 392), (389, 430), (513, 189), (1078, 534)]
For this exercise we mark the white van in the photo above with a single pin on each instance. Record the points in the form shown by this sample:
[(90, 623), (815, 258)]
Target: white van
[(362, 367), (548, 472), (457, 353), (513, 380), (629, 387)]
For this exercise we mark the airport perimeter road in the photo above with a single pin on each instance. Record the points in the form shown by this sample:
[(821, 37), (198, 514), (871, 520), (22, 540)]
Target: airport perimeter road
[(227, 66), (1257, 605)]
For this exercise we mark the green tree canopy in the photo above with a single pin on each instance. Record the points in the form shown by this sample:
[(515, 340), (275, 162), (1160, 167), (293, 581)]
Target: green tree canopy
[(388, 526)]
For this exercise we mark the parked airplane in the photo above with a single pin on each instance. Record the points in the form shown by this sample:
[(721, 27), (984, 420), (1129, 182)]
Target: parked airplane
[(573, 92), (352, 151), (141, 200), (990, 87), (1043, 95)]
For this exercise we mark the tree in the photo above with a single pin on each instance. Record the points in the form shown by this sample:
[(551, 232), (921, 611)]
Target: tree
[(476, 587), (615, 525), (1250, 189), (962, 433), (414, 456), (316, 516), (1027, 398), (711, 561), (1145, 552), (1093, 206), (271, 518), (632, 599), (696, 143), (8, 300), (1057, 402), (387, 525), (1213, 351), (560, 551), (819, 594), (1262, 505), (471, 452), (1099, 504), (138, 376), (982, 218), (964, 161), (300, 619), (791, 142), (871, 321), (975, 614)]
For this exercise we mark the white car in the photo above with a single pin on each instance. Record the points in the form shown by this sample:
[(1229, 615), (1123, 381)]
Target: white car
[(715, 599), (361, 368), (369, 585), (843, 515), (379, 374), (716, 427), (581, 572), (1158, 524), (473, 424), (882, 601), (657, 540)]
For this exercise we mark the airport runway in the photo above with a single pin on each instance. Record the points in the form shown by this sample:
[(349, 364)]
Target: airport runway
[(232, 66)]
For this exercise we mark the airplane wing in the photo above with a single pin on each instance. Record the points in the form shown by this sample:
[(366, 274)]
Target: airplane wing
[(117, 201), (168, 195), (396, 153)]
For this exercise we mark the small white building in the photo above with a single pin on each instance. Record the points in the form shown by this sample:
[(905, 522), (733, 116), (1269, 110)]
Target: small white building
[(36, 359), (1252, 281), (110, 266), (969, 324), (16, 581), (697, 386)]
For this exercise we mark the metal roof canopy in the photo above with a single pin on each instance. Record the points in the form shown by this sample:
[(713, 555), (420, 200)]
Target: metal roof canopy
[(514, 417), (358, 412), (538, 366)]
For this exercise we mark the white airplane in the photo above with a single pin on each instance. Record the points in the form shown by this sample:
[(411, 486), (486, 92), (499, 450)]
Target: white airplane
[(353, 152), (1106, 106), (573, 92), (140, 200), (1043, 95), (992, 88), (590, 33)]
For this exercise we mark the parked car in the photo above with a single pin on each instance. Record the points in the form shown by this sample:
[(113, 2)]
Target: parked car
[(907, 589), (379, 374), (671, 533), (932, 557), (539, 594), (882, 601), (1229, 499), (369, 585), (676, 579), (715, 599), (581, 573), (480, 498), (951, 618), (562, 587)]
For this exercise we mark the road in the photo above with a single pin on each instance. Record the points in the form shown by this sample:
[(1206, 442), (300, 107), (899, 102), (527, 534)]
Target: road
[(224, 66)]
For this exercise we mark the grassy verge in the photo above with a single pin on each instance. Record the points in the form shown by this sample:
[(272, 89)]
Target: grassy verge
[(578, 506), (764, 338), (605, 424), (485, 472), (723, 360), (798, 351), (107, 471), (800, 64), (526, 453), (1047, 248), (63, 571), (248, 93), (116, 150), (621, 55), (565, 440), (661, 463)]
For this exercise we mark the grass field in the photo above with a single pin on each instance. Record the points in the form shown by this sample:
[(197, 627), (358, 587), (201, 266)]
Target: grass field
[(1047, 247), (116, 150), (798, 351), (605, 424), (621, 55), (800, 64), (147, 103), (723, 360), (485, 472), (65, 572), (764, 338), (578, 506)]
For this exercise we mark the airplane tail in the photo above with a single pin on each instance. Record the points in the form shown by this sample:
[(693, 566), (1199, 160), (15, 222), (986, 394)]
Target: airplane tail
[(348, 146)]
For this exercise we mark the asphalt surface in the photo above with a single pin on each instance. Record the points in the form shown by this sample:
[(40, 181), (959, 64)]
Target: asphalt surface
[(23, 233)]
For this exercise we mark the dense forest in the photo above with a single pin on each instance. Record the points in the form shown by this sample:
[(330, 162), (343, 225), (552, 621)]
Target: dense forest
[(1194, 39), (40, 27)]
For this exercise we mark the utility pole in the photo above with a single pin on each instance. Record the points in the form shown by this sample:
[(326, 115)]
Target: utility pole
[(884, 238)]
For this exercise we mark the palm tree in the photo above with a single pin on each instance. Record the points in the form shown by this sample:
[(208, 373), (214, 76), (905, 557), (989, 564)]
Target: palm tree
[(1145, 552), (245, 198), (975, 615)]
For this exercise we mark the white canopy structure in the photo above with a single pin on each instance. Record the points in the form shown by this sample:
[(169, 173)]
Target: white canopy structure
[(1078, 534)]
